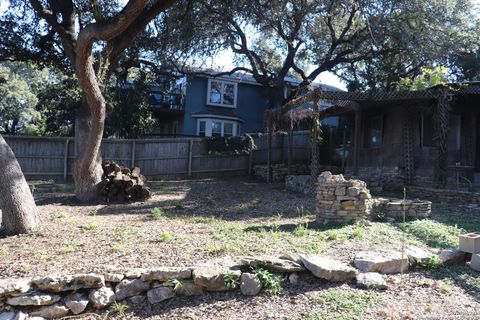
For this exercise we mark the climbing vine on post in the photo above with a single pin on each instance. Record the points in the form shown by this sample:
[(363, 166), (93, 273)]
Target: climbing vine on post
[(443, 96), (315, 139)]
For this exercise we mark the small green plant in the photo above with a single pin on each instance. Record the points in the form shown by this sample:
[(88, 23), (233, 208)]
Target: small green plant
[(211, 200), (69, 248), (179, 206), (269, 280), (231, 280), (119, 308), (177, 284), (433, 263), (340, 304), (332, 234), (166, 236), (256, 201), (358, 232), (157, 213), (94, 224), (300, 230), (379, 217)]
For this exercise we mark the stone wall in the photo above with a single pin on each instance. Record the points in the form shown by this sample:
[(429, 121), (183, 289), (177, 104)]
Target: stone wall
[(338, 199), (444, 195), (301, 184)]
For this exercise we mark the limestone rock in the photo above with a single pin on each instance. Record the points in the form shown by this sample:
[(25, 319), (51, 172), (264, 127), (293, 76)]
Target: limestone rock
[(166, 273), (189, 288), (450, 257), (292, 257), (250, 285), (381, 261), (129, 288), (294, 278), (34, 299), (52, 312), (371, 280), (7, 315), (328, 269), (417, 256), (70, 282), (160, 294), (136, 300), (76, 302), (113, 277), (134, 273), (14, 286), (211, 277), (102, 297), (20, 316), (272, 264)]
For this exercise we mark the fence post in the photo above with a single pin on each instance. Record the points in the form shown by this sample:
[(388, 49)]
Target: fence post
[(65, 161), (133, 153), (190, 156)]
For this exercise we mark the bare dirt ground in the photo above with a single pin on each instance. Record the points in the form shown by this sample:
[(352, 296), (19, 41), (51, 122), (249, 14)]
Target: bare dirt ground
[(187, 222)]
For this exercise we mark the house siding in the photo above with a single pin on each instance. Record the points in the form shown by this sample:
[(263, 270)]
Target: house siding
[(251, 106)]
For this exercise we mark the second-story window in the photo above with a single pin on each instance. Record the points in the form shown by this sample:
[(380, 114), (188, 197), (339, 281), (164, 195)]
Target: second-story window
[(222, 93)]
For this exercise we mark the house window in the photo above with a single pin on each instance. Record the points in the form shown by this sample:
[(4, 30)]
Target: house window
[(374, 132), (201, 128), (217, 128), (222, 93)]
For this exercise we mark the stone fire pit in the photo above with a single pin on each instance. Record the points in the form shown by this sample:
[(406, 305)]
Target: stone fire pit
[(339, 199)]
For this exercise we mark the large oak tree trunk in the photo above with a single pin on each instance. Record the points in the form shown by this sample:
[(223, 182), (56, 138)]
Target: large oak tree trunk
[(19, 212), (86, 182), (87, 172)]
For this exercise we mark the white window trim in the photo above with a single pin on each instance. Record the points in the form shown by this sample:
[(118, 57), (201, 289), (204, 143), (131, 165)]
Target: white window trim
[(235, 91), (208, 126)]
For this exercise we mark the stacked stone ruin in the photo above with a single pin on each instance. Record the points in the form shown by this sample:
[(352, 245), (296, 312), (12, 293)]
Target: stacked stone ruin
[(339, 199)]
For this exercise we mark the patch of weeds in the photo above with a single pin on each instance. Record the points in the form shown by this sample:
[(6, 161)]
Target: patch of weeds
[(461, 276), (432, 233), (157, 213), (177, 284), (270, 281), (339, 304), (379, 217), (311, 247), (231, 280), (61, 215), (433, 263), (256, 201), (4, 253), (332, 234), (300, 230), (119, 308), (179, 206), (165, 236), (215, 248), (125, 236), (69, 248), (358, 232), (94, 224), (211, 200)]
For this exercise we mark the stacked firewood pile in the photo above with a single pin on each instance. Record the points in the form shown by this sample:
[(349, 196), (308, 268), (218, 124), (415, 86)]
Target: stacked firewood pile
[(123, 184)]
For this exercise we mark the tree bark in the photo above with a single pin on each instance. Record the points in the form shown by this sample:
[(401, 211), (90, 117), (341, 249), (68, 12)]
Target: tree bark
[(19, 212)]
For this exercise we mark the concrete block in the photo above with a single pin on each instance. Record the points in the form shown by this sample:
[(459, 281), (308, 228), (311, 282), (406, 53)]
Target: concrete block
[(470, 242), (475, 263)]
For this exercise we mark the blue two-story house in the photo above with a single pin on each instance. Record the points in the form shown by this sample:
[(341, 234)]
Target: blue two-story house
[(212, 106)]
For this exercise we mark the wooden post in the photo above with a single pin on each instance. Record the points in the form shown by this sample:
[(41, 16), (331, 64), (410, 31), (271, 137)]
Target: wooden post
[(133, 153), (441, 118), (190, 157), (357, 139), (65, 160), (250, 162), (290, 149)]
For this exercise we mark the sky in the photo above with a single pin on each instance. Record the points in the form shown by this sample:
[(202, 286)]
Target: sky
[(224, 60)]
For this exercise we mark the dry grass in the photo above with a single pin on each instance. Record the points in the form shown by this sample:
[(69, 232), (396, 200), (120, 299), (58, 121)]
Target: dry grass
[(187, 222)]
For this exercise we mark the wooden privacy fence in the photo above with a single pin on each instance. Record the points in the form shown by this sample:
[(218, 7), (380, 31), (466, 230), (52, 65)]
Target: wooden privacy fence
[(164, 158)]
